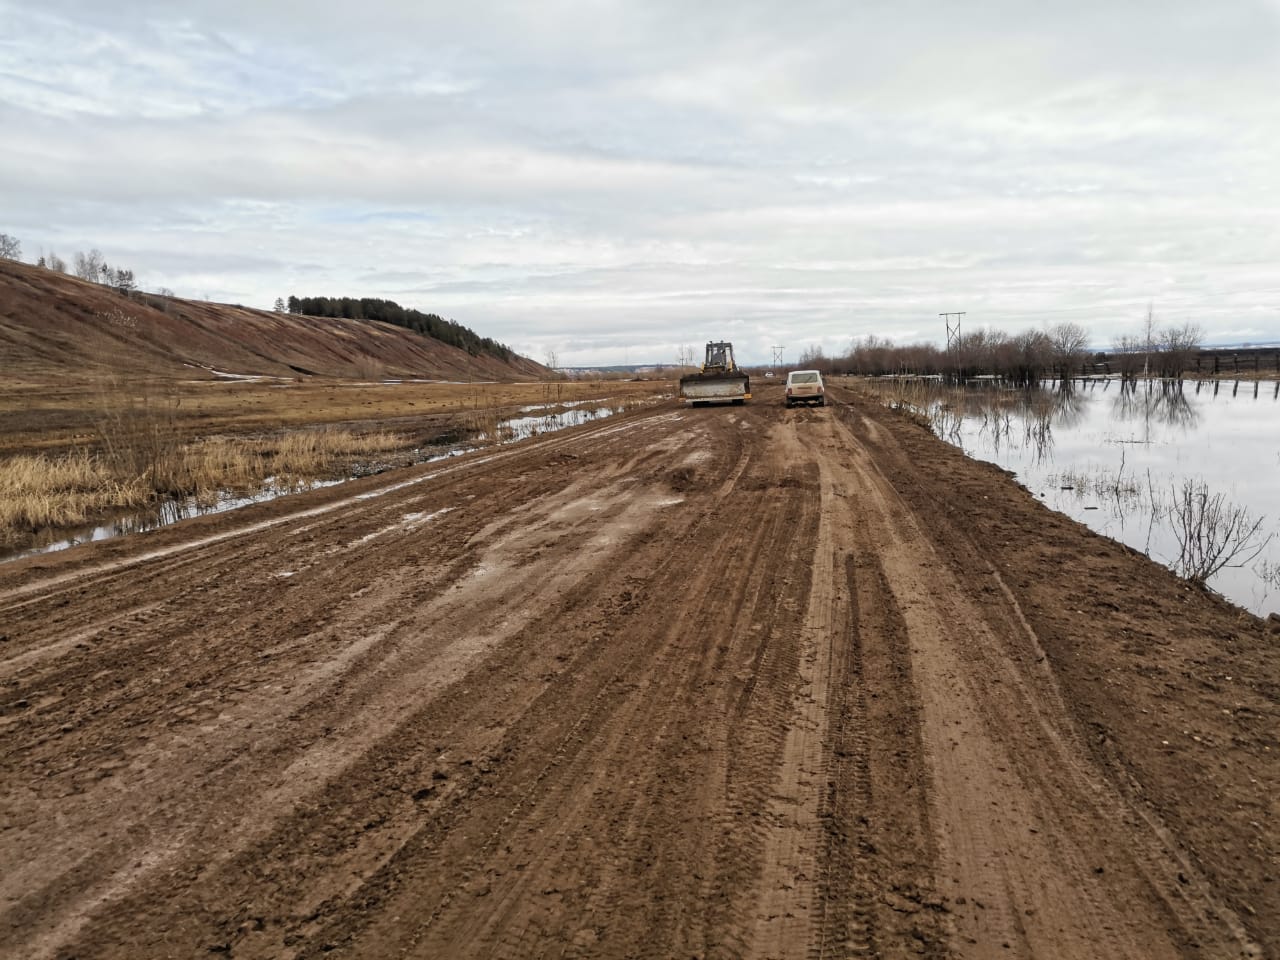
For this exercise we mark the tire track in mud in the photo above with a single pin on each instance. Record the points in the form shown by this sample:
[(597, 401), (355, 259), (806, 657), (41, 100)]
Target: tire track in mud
[(101, 576), (849, 859), (576, 798), (272, 951), (600, 697), (1039, 853), (380, 622)]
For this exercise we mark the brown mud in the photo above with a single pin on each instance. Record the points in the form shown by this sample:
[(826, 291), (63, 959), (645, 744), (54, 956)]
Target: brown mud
[(723, 682)]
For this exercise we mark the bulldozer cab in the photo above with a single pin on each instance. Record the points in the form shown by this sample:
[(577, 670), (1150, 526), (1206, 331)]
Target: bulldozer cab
[(719, 356)]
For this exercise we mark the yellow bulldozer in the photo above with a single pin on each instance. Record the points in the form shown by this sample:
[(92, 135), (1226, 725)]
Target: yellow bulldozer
[(719, 381)]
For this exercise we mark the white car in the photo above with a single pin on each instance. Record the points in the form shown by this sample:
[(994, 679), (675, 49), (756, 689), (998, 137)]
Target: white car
[(805, 386)]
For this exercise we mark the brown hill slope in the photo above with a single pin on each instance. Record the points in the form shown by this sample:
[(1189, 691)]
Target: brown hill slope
[(52, 324)]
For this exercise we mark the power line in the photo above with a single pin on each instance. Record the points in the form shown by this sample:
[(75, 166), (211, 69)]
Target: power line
[(953, 333)]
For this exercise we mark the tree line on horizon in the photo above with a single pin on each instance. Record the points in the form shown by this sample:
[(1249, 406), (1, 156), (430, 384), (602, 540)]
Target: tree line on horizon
[(1058, 352), (388, 311)]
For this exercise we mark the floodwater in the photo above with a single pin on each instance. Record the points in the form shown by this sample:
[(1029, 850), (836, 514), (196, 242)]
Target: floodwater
[(1170, 469), (537, 420)]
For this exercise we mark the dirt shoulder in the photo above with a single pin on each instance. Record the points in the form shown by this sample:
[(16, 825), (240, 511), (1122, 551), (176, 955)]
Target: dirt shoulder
[(719, 682), (1175, 691)]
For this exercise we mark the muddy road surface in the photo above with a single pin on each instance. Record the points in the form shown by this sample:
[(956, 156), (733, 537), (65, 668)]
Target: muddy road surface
[(726, 682)]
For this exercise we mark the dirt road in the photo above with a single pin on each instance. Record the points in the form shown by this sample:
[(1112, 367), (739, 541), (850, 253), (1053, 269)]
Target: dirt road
[(726, 682)]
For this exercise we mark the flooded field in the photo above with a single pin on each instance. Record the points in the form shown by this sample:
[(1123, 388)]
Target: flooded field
[(1187, 473), (533, 421)]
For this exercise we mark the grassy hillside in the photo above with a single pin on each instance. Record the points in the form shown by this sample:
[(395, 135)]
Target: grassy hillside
[(54, 325)]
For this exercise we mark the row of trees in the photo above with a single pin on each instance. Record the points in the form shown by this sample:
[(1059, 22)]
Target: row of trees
[(94, 267), (90, 266), (388, 311), (1026, 358)]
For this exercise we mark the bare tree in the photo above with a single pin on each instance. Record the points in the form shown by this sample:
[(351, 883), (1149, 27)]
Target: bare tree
[(55, 263), (814, 359), (1178, 347), (1149, 335), (89, 266), (1069, 341), (1128, 354), (10, 248), (1212, 533)]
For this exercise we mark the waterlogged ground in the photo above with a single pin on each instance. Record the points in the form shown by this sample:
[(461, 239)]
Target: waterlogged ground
[(535, 419), (747, 681), (1117, 460)]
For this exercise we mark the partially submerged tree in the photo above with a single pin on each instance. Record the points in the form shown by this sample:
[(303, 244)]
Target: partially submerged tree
[(1212, 533), (1069, 341)]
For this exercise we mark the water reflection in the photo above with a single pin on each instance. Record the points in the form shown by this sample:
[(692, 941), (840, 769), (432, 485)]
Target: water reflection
[(1151, 402), (1120, 457), (163, 514)]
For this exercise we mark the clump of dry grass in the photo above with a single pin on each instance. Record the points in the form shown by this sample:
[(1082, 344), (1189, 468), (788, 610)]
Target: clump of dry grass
[(37, 492), (310, 454), (141, 469)]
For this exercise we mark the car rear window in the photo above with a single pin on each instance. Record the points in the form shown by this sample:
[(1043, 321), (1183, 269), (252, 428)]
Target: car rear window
[(804, 378)]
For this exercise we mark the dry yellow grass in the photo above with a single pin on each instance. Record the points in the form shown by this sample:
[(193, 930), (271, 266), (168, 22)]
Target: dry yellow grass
[(139, 443), (57, 415), (38, 492)]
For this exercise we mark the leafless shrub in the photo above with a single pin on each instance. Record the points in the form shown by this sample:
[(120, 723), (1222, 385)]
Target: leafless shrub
[(138, 436), (1212, 533), (370, 368)]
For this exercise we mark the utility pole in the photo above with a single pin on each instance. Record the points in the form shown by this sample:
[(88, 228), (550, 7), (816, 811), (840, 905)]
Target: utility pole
[(953, 332), (777, 356), (953, 340)]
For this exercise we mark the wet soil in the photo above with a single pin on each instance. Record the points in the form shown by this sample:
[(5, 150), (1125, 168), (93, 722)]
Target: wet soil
[(716, 682)]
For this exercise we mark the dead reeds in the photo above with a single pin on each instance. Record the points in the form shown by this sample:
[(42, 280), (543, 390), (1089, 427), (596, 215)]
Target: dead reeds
[(139, 467)]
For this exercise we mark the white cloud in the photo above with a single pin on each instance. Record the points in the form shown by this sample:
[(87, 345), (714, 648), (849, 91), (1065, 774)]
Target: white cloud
[(614, 176)]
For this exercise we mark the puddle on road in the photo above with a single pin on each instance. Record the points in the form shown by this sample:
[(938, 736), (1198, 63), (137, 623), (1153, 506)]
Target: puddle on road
[(513, 430)]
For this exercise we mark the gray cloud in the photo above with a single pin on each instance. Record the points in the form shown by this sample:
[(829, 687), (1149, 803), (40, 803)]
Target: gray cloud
[(616, 179)]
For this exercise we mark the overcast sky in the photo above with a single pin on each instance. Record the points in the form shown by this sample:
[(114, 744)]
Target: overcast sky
[(613, 179)]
